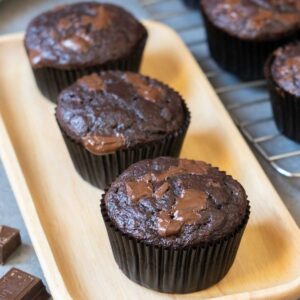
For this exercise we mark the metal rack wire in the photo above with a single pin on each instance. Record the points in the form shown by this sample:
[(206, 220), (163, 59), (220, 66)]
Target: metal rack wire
[(247, 102)]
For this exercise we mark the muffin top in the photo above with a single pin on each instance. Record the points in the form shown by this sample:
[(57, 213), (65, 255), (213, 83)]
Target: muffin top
[(82, 34), (176, 202), (285, 68), (254, 19), (117, 109)]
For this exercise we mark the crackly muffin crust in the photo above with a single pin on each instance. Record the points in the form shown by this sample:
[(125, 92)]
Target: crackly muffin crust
[(176, 202), (81, 35)]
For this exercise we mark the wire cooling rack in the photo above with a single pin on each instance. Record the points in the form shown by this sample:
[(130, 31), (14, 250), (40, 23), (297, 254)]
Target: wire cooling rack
[(247, 102)]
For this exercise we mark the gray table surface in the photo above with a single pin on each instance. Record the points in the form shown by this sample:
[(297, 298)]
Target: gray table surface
[(14, 16)]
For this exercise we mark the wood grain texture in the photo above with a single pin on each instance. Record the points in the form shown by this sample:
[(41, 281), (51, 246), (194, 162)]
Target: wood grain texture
[(61, 211)]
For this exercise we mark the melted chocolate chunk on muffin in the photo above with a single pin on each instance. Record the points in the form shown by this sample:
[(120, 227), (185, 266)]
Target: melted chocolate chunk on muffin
[(254, 19), (74, 35), (176, 202), (116, 109), (285, 68)]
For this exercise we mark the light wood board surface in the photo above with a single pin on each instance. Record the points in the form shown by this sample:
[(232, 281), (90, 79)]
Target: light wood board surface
[(61, 211)]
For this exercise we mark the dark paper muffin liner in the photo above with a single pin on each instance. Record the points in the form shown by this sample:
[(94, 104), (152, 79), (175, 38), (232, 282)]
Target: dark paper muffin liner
[(173, 270), (244, 58), (51, 81), (285, 106), (101, 170)]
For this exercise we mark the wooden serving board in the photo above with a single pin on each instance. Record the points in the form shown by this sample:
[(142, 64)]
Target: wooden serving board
[(61, 211)]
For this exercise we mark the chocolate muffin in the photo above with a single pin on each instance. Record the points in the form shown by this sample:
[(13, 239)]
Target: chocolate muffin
[(113, 119), (282, 71), (242, 33), (175, 224), (70, 41)]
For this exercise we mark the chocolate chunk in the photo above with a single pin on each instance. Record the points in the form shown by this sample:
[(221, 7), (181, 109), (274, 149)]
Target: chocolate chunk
[(162, 190), (76, 44), (19, 285), (92, 82), (99, 21), (97, 144), (10, 240), (167, 226), (184, 166)]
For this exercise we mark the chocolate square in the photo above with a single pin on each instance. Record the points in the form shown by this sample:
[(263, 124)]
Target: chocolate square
[(10, 240), (19, 285)]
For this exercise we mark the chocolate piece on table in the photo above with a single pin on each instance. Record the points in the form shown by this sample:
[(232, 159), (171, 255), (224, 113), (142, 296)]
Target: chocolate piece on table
[(10, 240), (19, 285)]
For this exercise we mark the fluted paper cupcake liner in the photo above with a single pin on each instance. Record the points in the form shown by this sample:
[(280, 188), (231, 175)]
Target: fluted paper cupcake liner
[(285, 106), (51, 81), (173, 270), (244, 58), (101, 170)]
